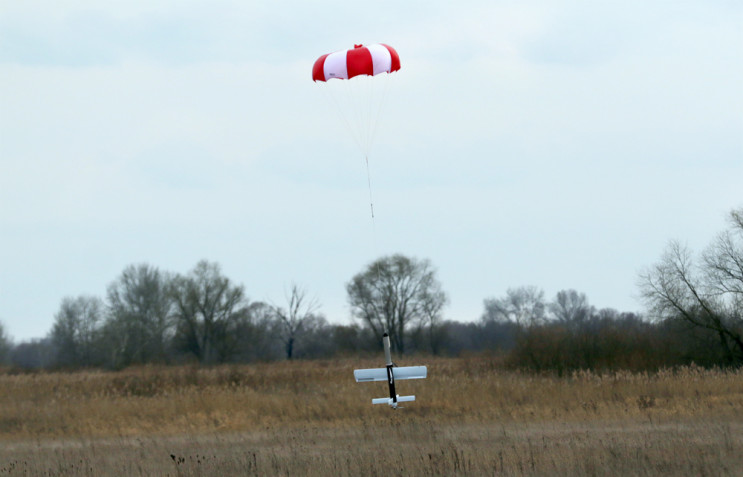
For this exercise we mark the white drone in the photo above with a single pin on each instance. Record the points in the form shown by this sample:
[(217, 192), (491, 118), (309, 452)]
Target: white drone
[(390, 374)]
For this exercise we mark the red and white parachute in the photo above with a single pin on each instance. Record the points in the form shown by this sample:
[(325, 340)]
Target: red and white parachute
[(369, 60)]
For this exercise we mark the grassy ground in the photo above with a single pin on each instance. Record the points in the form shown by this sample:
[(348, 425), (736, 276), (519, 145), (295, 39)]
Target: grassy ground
[(311, 418)]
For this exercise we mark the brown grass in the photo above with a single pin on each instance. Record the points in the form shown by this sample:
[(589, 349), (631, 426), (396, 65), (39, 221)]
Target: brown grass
[(311, 418)]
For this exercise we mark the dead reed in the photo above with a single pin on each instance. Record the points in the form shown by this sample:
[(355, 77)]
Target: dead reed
[(311, 418)]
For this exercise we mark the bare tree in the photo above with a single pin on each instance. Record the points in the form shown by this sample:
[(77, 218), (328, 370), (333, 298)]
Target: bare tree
[(208, 309), (292, 320), (524, 306), (393, 293), (431, 321), (76, 331), (571, 308), (140, 315), (707, 293), (314, 340), (256, 334)]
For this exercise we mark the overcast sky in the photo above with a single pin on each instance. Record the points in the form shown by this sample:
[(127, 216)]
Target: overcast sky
[(557, 144)]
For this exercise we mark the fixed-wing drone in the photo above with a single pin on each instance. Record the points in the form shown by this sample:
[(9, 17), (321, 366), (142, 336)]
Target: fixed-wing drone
[(390, 374)]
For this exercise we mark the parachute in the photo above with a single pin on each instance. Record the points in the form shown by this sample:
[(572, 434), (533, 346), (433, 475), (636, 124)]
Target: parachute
[(359, 94), (368, 60)]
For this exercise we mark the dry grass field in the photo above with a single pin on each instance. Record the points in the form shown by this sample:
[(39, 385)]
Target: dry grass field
[(311, 418)]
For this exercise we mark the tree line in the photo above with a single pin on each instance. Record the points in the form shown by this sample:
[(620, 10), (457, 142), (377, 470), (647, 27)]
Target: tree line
[(694, 315)]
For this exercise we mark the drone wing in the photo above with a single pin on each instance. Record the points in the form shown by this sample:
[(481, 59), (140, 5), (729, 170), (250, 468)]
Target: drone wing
[(410, 372), (380, 374)]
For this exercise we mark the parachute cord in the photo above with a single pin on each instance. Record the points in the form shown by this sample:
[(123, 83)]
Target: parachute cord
[(368, 180), (374, 118), (380, 285), (371, 207)]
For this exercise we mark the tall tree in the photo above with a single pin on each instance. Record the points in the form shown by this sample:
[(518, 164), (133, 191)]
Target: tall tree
[(524, 306), (76, 331), (140, 315), (254, 335), (706, 293), (571, 308), (208, 310), (431, 322), (393, 293), (292, 320)]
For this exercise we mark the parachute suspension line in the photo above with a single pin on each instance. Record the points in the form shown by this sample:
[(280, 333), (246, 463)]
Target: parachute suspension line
[(373, 222), (359, 103), (369, 108), (337, 99), (368, 180), (371, 207), (375, 115), (350, 113)]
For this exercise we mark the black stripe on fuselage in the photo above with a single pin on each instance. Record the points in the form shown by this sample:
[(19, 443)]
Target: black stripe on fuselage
[(391, 382)]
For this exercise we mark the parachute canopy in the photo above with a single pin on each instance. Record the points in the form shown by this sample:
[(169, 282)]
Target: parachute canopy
[(360, 60)]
